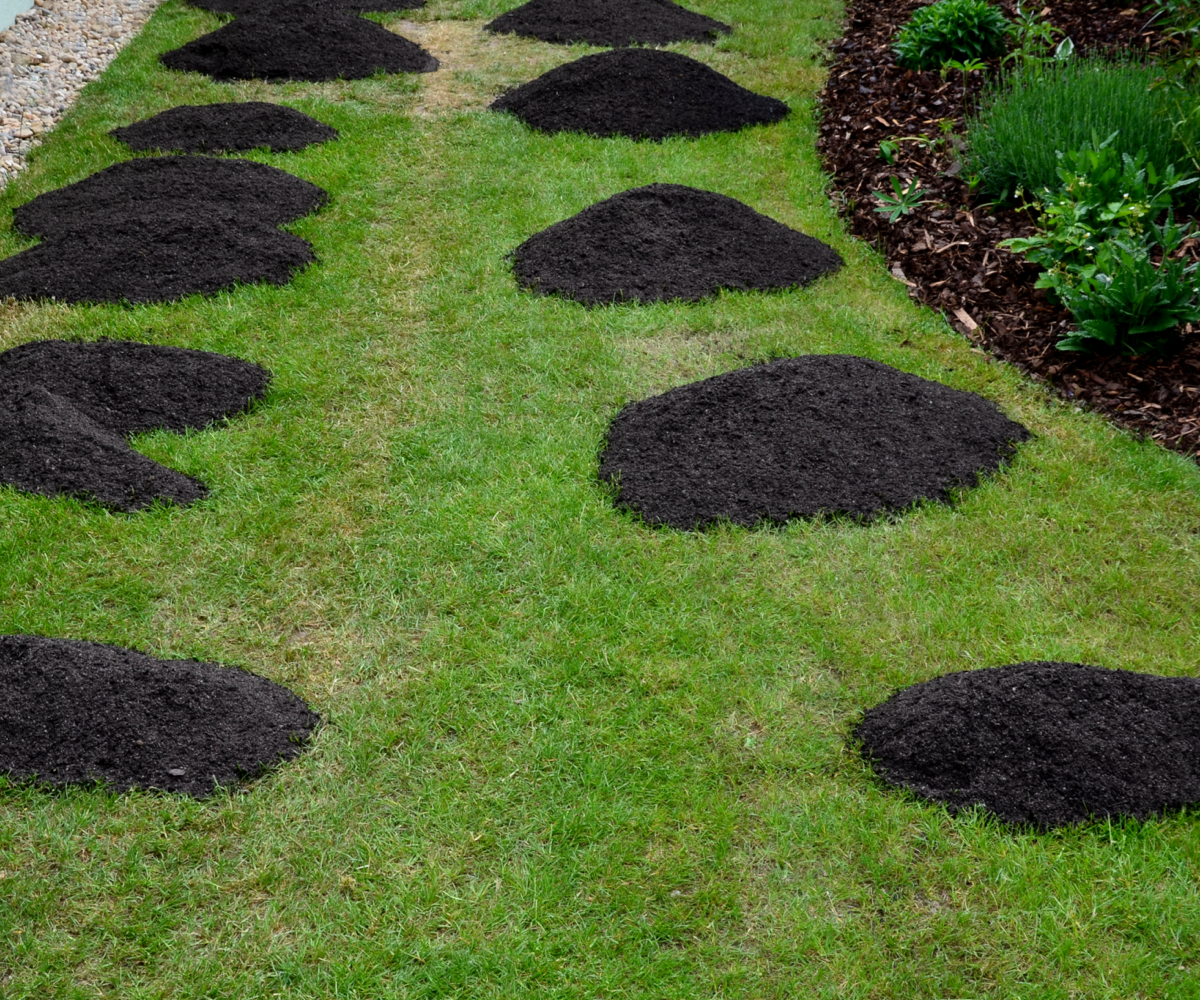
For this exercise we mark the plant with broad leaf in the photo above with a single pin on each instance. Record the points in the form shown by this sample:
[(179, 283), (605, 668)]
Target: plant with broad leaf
[(902, 202), (951, 30)]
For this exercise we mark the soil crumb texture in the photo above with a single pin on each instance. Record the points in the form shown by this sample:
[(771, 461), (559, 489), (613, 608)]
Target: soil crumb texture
[(157, 229), (310, 44), (226, 128), (76, 713), (241, 8), (825, 434), (640, 93), (1042, 744), (130, 388), (667, 241), (66, 410), (608, 22)]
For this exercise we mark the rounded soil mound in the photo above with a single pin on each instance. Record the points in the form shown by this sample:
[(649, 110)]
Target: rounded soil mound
[(311, 48), (1042, 744), (80, 712), (129, 387), (138, 261), (48, 446), (822, 434), (608, 22), (242, 8), (226, 128), (666, 241), (640, 93), (168, 187)]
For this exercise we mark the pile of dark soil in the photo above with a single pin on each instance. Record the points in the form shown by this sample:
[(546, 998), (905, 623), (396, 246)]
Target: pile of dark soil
[(226, 128), (641, 93), (946, 249), (66, 409), (309, 43), (825, 434), (82, 713), (156, 229), (608, 22), (666, 241), (241, 8), (1042, 744)]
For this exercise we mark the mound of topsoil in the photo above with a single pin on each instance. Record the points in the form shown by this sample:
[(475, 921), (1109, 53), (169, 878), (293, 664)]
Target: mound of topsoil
[(66, 409), (608, 22), (822, 434), (50, 447), (311, 45), (1042, 744), (666, 241), (83, 713), (284, 8), (641, 93), (130, 387), (156, 229), (226, 128)]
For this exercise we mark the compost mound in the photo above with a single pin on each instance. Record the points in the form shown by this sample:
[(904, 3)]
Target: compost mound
[(608, 22), (640, 93), (1042, 744), (286, 8), (164, 187), (666, 241), (66, 409), (50, 447), (83, 713), (226, 128), (130, 388), (159, 228), (825, 434), (311, 46)]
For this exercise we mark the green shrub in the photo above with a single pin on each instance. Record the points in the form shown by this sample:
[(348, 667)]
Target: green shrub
[(1031, 115), (951, 30)]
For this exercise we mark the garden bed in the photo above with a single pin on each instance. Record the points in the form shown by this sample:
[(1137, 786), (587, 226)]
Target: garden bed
[(945, 250)]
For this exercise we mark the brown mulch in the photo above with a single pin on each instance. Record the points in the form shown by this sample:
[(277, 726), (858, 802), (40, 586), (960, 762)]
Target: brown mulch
[(945, 250)]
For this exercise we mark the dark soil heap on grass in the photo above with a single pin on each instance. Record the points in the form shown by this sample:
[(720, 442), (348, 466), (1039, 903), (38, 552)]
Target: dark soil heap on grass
[(946, 248), (241, 8), (310, 43), (666, 241), (130, 388), (226, 128), (608, 22), (822, 434), (641, 93), (81, 713), (1042, 744), (66, 409), (156, 229)]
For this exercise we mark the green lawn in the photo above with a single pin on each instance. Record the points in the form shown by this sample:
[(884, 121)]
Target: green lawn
[(567, 755)]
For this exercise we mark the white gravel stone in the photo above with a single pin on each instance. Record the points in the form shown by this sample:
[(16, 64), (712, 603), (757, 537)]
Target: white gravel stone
[(47, 57)]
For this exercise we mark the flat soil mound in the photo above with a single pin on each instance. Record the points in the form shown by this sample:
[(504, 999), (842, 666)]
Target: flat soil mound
[(81, 713), (150, 188), (666, 241), (309, 47), (226, 128), (817, 435), (1042, 744), (285, 8), (137, 261), (130, 388), (48, 446), (608, 22), (640, 93)]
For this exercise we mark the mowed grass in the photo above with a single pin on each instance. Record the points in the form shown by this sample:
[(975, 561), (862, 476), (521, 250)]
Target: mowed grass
[(567, 755)]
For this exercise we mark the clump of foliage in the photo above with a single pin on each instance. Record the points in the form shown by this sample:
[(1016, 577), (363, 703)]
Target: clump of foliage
[(1107, 258), (1042, 108), (951, 30)]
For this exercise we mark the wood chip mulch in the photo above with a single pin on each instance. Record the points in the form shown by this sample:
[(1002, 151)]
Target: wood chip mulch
[(945, 251)]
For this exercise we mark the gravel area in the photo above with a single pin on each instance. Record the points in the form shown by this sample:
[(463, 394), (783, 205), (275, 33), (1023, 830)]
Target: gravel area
[(47, 57)]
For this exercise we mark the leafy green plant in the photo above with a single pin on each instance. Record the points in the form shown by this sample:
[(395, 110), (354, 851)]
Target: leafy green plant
[(902, 202), (1129, 304), (1179, 20), (951, 30), (1034, 112)]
